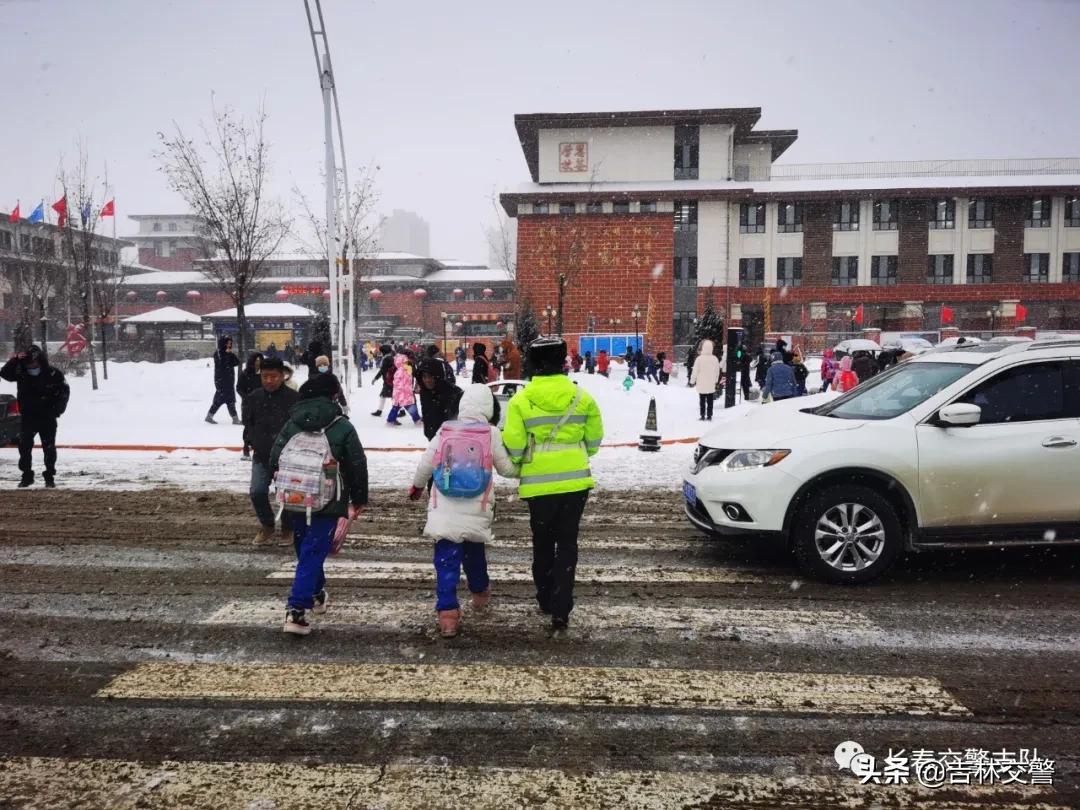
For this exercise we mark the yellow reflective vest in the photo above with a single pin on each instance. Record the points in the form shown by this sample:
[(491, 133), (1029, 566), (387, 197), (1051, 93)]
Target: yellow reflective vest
[(552, 437)]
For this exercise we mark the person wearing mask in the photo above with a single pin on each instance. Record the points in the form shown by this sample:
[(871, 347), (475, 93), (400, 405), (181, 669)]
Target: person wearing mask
[(705, 376), (801, 372), (845, 378), (386, 374), (313, 536), (311, 356), (553, 427), (266, 410), (779, 380), (481, 371), (42, 394), (225, 364), (863, 365), (438, 396), (322, 366), (246, 382)]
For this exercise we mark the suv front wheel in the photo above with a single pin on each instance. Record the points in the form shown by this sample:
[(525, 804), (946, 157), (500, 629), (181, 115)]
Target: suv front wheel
[(847, 535)]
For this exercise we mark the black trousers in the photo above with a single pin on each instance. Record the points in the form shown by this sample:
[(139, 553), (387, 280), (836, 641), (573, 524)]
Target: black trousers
[(226, 398), (42, 426), (705, 404), (554, 520)]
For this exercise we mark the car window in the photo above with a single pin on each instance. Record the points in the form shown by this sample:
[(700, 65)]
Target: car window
[(1028, 393), (894, 392)]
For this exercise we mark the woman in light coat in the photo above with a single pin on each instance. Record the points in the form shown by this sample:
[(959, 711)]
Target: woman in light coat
[(705, 376)]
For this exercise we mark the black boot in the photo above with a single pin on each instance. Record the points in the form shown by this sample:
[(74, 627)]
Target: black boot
[(50, 480), (27, 479)]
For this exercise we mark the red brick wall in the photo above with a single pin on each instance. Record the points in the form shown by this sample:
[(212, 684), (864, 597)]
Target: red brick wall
[(615, 270), (1008, 240), (182, 259), (913, 242), (817, 243), (930, 294)]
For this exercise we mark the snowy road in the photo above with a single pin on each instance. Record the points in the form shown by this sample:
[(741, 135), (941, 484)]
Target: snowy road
[(144, 667)]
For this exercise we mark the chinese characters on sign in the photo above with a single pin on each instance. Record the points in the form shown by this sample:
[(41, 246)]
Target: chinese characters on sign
[(573, 157), (971, 766)]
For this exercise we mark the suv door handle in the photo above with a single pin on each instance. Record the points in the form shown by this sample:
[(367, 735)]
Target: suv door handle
[(1059, 441)]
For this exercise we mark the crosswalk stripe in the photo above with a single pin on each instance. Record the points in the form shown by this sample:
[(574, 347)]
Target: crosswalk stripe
[(638, 542), (590, 619), (171, 785), (491, 684), (423, 572)]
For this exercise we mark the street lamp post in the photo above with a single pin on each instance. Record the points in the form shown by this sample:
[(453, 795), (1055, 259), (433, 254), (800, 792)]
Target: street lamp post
[(549, 311), (635, 313), (992, 315)]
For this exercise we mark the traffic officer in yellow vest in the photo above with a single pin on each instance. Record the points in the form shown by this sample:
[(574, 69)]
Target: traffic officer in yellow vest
[(552, 428)]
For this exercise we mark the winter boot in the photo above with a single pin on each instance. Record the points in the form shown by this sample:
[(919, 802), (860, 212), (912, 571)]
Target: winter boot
[(322, 600), (295, 622), (559, 627), (27, 479), (210, 418), (264, 535), (50, 480), (377, 413), (285, 536), (480, 600), (449, 623), (236, 420)]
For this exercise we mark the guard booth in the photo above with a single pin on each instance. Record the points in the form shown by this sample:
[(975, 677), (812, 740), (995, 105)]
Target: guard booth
[(613, 344), (267, 324)]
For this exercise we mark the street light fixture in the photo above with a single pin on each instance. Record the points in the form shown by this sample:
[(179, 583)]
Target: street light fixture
[(549, 311), (992, 314), (635, 313)]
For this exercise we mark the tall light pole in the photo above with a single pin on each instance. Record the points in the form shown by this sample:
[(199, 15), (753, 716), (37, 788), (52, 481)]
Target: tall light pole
[(342, 318), (549, 311), (636, 315)]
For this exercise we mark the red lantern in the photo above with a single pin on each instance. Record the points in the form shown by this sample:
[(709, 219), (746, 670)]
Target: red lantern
[(375, 295), (488, 292), (281, 295), (132, 295), (326, 295), (194, 295), (420, 293), (160, 295), (458, 293)]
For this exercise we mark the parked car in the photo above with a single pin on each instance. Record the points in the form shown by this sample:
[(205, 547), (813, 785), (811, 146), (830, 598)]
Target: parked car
[(972, 446), (10, 420), (503, 390)]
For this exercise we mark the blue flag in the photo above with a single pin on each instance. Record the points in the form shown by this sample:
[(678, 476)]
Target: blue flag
[(38, 214), (85, 214)]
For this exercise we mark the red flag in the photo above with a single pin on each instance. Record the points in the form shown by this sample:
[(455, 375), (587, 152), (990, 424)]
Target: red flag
[(14, 217), (859, 315), (1021, 313), (804, 318), (108, 210), (60, 207), (947, 314)]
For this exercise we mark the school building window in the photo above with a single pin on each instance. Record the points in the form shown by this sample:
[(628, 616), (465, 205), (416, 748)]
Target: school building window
[(789, 217), (846, 216), (686, 216), (789, 272), (885, 215), (686, 271), (1070, 268), (1037, 268), (752, 218), (1038, 216), (980, 213), (942, 215), (939, 269), (751, 272), (845, 271), (980, 268), (883, 271)]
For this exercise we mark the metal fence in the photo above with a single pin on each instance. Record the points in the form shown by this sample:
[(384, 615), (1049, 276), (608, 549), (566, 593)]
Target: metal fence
[(925, 168)]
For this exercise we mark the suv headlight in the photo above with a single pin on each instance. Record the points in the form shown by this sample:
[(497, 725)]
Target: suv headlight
[(749, 459)]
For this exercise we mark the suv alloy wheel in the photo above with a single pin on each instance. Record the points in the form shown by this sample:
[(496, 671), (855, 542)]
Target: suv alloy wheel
[(847, 534)]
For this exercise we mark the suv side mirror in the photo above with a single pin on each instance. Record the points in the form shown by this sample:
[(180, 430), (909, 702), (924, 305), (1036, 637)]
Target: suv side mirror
[(959, 414)]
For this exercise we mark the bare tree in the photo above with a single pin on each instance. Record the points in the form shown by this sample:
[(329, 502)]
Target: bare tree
[(33, 278), (502, 239), (359, 225), (223, 181)]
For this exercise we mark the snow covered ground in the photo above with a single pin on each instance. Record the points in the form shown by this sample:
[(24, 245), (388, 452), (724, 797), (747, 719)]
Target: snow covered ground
[(160, 407)]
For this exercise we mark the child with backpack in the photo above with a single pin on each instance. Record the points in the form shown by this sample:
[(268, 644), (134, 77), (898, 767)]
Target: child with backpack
[(461, 507), (404, 399), (320, 478), (845, 379)]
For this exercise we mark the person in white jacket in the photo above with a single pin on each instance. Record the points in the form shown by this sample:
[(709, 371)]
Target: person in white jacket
[(705, 375), (461, 525)]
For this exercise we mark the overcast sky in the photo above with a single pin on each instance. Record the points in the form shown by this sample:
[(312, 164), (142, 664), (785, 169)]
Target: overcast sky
[(429, 89)]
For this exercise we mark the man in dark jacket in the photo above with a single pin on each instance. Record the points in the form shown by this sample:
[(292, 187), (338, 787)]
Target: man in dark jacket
[(266, 410), (43, 395), (439, 396), (312, 538), (744, 371), (480, 363), (386, 374), (863, 365), (225, 363), (246, 382)]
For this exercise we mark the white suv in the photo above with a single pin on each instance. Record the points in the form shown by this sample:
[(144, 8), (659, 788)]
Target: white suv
[(969, 446)]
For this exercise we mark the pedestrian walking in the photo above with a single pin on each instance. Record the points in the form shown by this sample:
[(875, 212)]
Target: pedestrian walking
[(779, 380), (459, 359), (386, 374), (246, 382), (403, 399), (763, 363), (603, 362), (339, 477), (553, 427), (225, 364), (266, 411), (863, 365), (801, 372), (829, 368), (665, 366), (42, 394), (439, 396), (310, 358), (705, 376), (461, 507), (744, 371), (481, 370), (845, 378), (650, 369), (512, 370), (434, 353), (575, 362), (631, 366), (590, 363)]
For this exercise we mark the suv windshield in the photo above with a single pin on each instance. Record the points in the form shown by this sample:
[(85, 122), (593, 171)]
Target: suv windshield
[(895, 392)]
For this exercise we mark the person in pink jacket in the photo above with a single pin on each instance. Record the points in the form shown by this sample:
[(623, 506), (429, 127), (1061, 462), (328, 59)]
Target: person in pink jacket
[(403, 399), (845, 378), (828, 369)]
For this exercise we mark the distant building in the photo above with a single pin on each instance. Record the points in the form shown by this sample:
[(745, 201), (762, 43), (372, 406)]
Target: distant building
[(405, 232), (171, 241)]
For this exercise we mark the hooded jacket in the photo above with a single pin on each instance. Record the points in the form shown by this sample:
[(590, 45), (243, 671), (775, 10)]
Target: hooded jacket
[(845, 379), (265, 414), (459, 519), (532, 415), (828, 366), (438, 405), (706, 371), (480, 363), (864, 366), (780, 380), (225, 364), (403, 382), (319, 413), (512, 369), (41, 396), (248, 379)]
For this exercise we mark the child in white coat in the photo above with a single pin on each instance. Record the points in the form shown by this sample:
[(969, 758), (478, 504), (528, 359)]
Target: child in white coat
[(460, 525)]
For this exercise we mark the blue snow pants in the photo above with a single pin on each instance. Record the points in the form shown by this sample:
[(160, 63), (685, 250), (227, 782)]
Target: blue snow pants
[(312, 545), (449, 559)]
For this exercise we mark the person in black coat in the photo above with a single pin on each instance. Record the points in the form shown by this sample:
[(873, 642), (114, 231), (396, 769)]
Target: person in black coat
[(763, 363), (225, 363), (480, 364), (386, 374), (744, 370), (439, 397), (310, 358), (863, 365), (247, 382), (43, 395)]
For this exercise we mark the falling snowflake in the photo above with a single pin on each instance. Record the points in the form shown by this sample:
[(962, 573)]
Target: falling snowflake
[(783, 292), (795, 584), (658, 271), (1049, 535)]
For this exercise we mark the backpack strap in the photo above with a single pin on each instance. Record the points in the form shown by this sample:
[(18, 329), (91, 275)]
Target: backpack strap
[(549, 444)]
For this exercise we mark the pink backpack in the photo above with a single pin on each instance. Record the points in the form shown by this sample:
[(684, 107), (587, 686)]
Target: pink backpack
[(463, 460), (668, 366)]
